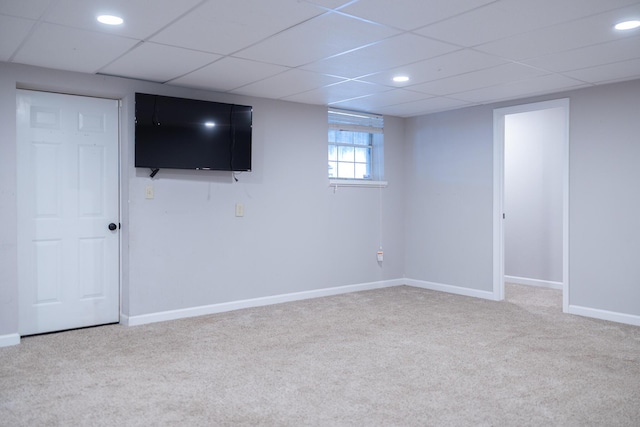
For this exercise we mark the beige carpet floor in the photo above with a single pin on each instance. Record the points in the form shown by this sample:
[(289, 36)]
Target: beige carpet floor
[(399, 356)]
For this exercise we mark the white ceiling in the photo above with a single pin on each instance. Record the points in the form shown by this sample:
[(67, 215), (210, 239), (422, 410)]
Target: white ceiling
[(341, 53)]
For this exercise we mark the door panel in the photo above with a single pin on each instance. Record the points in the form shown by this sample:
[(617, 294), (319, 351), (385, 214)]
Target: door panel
[(68, 259)]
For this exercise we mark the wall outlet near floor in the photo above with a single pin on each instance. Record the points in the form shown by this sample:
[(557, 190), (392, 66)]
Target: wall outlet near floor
[(380, 256)]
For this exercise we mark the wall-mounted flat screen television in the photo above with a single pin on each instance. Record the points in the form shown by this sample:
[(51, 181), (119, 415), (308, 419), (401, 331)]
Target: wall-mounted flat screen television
[(179, 133)]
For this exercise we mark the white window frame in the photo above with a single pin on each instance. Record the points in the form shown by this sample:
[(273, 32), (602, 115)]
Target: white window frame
[(345, 120)]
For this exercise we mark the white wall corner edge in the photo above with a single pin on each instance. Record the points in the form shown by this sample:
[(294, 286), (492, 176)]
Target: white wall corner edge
[(612, 316), (254, 302), (451, 289), (9, 340)]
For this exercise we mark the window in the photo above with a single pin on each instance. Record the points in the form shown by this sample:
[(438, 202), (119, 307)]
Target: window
[(355, 145)]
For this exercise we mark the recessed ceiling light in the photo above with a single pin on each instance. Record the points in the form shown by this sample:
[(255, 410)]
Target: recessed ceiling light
[(627, 25), (400, 79), (110, 19)]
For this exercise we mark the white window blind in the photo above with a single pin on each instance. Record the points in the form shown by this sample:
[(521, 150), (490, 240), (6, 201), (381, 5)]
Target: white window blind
[(355, 121), (355, 145)]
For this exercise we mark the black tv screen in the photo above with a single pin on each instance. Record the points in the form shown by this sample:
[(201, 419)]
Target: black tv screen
[(179, 133)]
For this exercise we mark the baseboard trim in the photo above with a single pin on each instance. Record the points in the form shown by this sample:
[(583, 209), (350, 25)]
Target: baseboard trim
[(612, 316), (533, 282), (450, 289), (254, 302), (124, 320), (9, 340)]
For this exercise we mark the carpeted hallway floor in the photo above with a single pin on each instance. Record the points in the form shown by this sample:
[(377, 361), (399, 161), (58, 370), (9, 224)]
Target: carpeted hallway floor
[(398, 356)]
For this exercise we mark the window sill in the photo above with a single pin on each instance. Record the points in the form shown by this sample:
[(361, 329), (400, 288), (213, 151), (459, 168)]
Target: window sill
[(335, 183)]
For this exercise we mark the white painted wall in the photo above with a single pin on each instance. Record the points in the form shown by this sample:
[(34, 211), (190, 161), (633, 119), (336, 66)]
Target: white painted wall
[(448, 209), (185, 247), (449, 199), (604, 200), (296, 234), (533, 191)]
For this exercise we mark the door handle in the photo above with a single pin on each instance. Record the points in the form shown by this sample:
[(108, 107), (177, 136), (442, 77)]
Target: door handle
[(112, 226)]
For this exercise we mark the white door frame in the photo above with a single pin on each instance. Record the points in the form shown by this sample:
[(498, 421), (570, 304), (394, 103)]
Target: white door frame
[(498, 194)]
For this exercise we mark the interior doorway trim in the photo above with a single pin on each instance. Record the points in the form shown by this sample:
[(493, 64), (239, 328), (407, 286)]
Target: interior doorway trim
[(499, 115)]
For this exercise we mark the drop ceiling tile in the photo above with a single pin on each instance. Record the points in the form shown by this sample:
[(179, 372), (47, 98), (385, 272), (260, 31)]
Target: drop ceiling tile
[(316, 39), (519, 47), (142, 18), (286, 84), (229, 25), (502, 19), (227, 74), (336, 93), (558, 38), (493, 76), (352, 89), (160, 63), (316, 97), (376, 101), (31, 9), (451, 64), (12, 32), (625, 70), (389, 53), (531, 87), (329, 4), (590, 56), (425, 106), (64, 48), (409, 14)]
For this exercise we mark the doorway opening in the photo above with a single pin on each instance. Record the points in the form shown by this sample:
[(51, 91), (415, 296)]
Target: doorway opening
[(531, 197)]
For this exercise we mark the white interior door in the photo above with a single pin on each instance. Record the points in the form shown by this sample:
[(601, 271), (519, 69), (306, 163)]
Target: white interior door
[(68, 258)]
